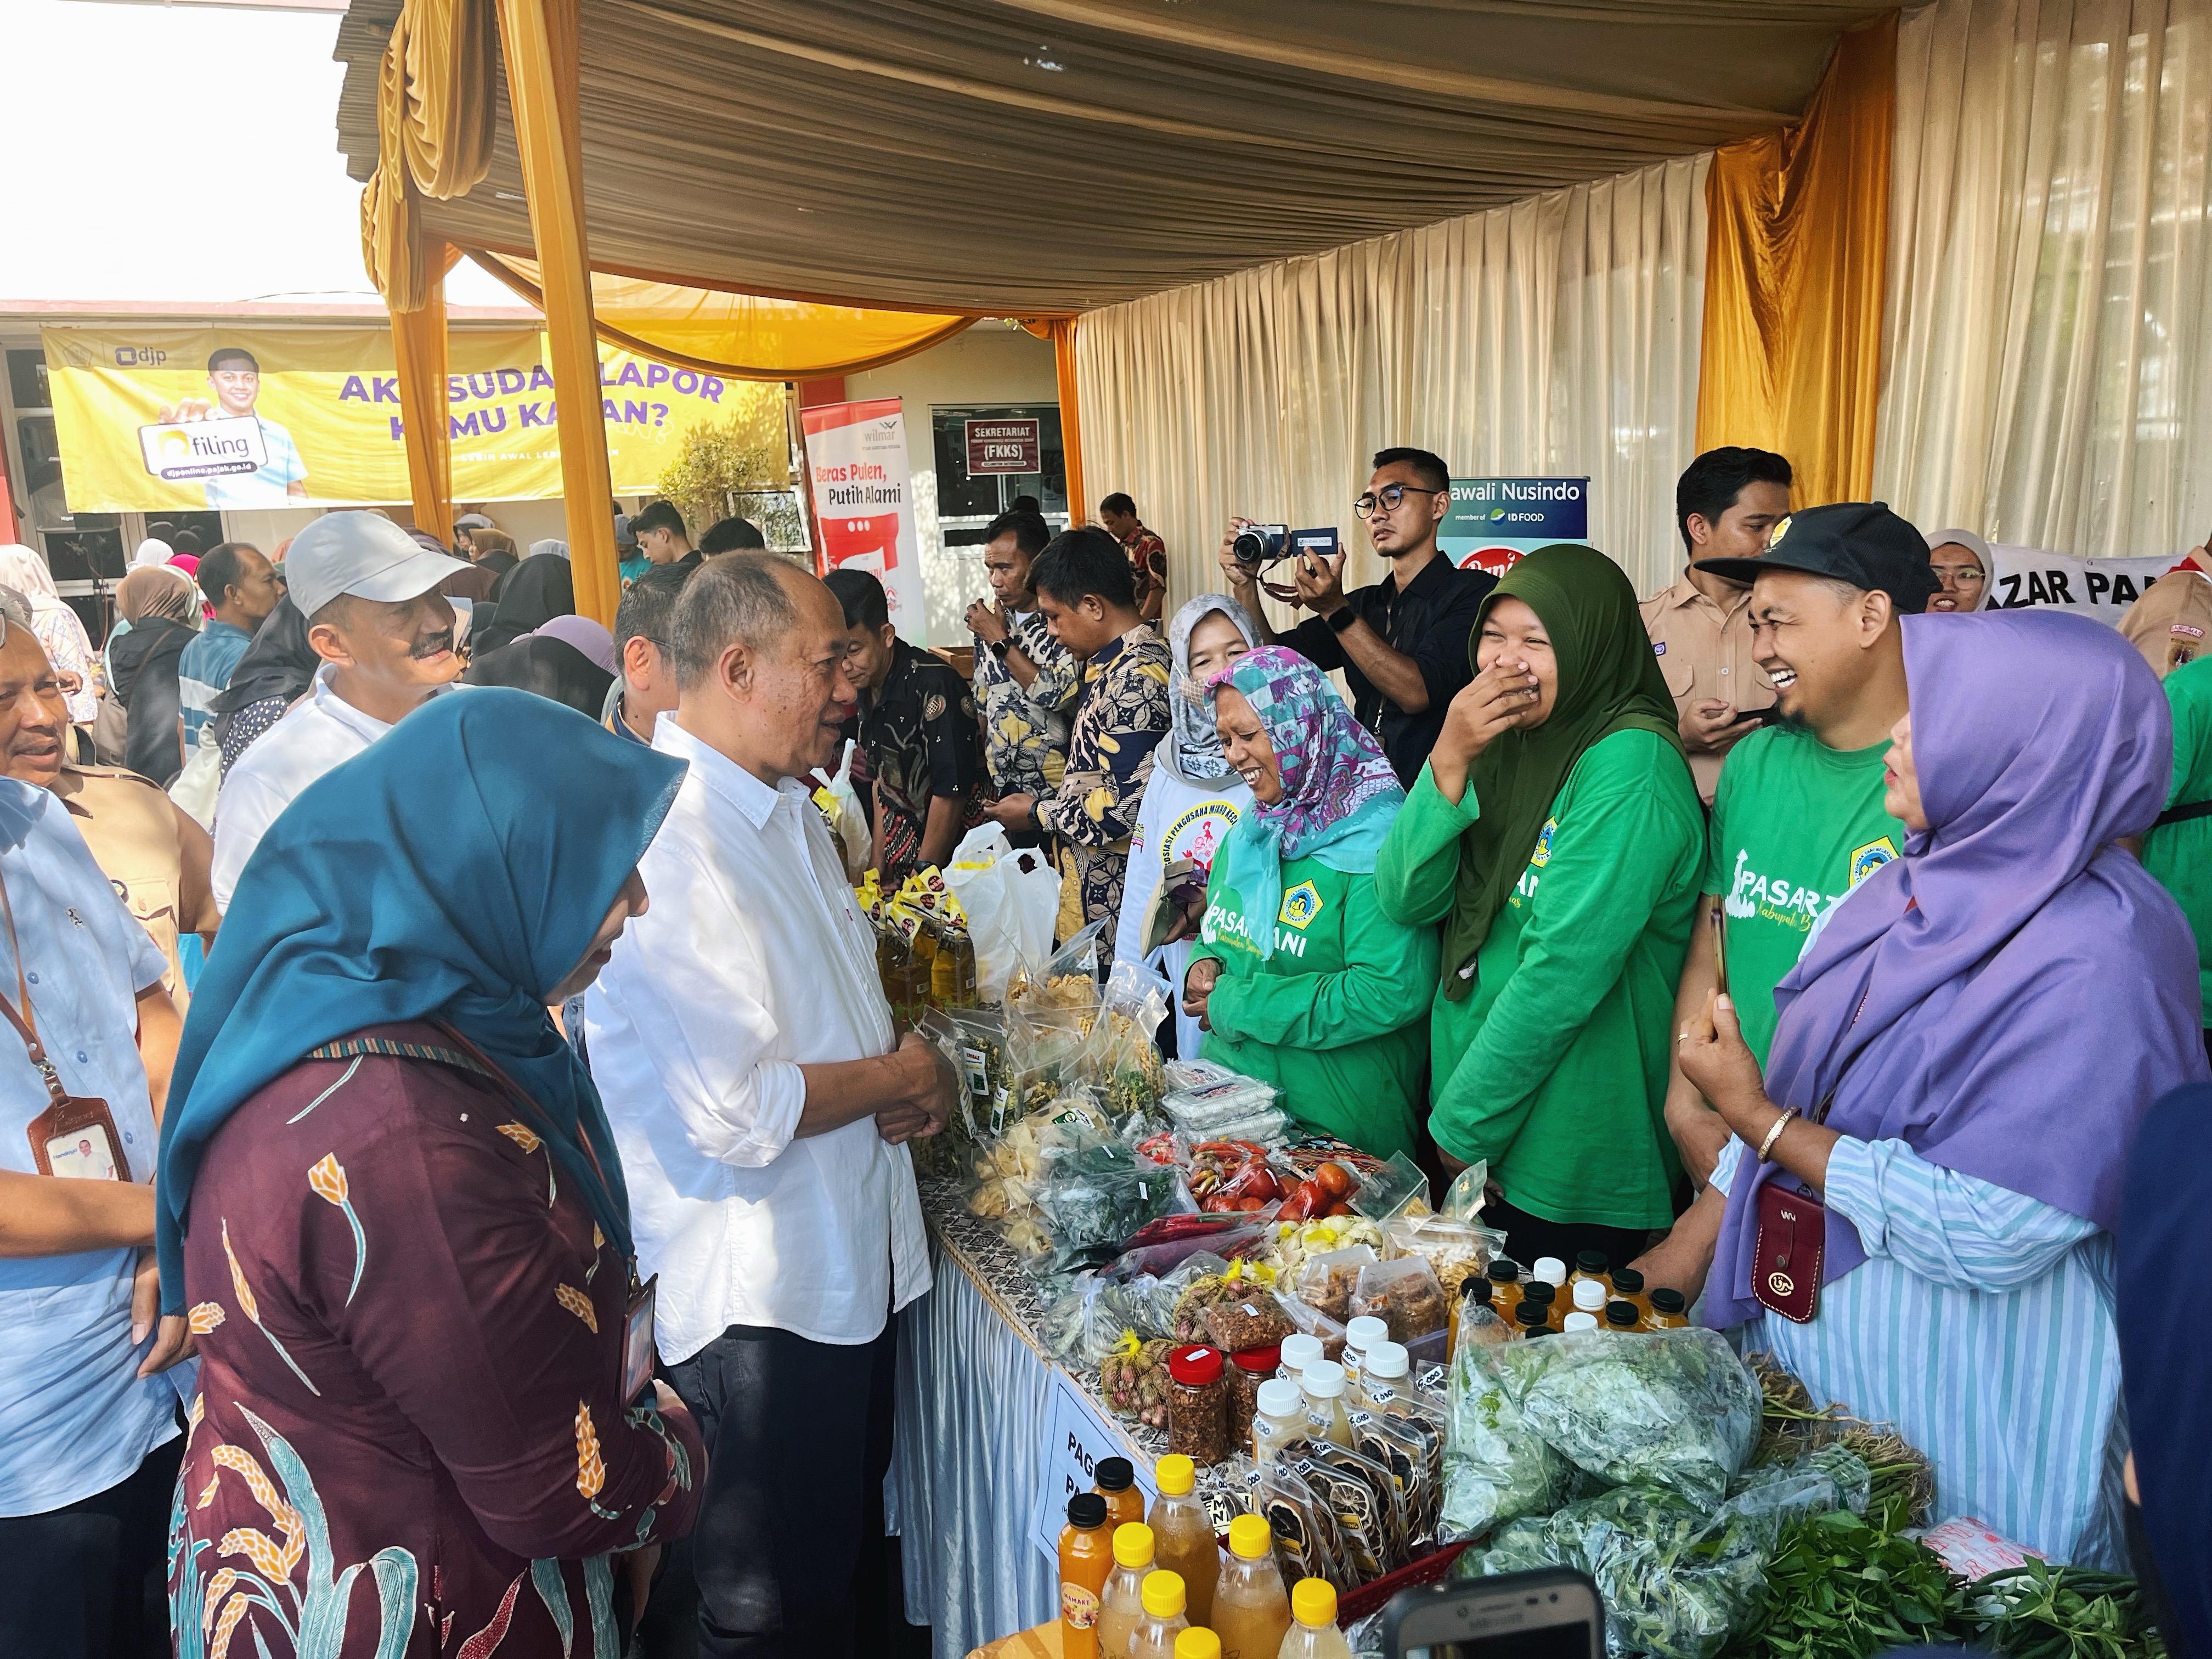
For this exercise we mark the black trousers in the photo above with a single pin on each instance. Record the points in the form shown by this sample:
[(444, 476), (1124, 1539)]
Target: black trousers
[(88, 1580), (788, 1554), (1529, 1238)]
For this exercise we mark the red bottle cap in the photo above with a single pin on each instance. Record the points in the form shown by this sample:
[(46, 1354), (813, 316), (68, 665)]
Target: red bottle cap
[(1195, 1367), (1260, 1362)]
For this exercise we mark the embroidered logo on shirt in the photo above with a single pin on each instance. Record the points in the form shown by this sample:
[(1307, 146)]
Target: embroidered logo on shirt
[(1658, 647), (2191, 632), (1300, 906), (1542, 855), (1866, 860)]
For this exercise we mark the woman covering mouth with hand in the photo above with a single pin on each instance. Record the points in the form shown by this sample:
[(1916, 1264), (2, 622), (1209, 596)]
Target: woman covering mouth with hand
[(1299, 975)]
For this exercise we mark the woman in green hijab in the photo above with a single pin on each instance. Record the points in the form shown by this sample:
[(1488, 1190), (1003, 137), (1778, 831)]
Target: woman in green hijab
[(1556, 834)]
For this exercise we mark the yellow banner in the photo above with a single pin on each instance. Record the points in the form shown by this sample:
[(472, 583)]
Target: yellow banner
[(259, 417)]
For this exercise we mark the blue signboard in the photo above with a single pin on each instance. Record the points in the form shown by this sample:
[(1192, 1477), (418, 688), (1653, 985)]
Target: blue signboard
[(1493, 522)]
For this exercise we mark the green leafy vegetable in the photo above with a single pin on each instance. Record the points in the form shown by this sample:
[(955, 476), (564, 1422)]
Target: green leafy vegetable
[(2037, 1611)]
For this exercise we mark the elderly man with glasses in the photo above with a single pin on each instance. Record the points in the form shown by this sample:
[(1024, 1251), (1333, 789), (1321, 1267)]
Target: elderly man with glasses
[(1402, 644)]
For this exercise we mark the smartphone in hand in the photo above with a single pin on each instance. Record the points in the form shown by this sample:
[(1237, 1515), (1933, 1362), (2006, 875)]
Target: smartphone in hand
[(1551, 1613)]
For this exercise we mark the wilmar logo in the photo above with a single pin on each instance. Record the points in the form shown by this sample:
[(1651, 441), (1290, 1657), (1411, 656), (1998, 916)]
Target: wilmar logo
[(180, 452)]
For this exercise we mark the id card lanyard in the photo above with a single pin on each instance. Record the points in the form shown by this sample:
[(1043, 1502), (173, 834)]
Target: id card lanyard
[(75, 1135)]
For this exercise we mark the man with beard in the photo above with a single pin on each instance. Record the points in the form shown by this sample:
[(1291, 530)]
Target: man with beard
[(1798, 819), (385, 637)]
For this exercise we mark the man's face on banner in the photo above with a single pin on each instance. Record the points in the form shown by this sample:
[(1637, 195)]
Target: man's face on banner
[(236, 383)]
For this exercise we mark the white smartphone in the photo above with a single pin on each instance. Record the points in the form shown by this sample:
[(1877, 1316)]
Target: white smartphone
[(1552, 1614)]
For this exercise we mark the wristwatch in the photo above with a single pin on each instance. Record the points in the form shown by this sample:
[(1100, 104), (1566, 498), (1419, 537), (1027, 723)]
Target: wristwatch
[(1342, 618), (999, 649)]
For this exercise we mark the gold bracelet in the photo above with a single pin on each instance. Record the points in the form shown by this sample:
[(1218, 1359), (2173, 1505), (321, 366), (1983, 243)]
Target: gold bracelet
[(1774, 1134)]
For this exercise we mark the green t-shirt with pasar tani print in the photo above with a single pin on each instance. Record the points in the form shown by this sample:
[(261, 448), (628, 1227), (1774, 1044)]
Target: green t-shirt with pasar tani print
[(1795, 826)]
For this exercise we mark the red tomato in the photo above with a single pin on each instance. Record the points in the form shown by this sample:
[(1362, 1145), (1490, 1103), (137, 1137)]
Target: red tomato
[(1336, 1179)]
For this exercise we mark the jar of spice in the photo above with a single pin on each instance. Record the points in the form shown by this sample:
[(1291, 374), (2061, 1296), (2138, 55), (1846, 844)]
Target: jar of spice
[(1198, 1406), (1247, 1371)]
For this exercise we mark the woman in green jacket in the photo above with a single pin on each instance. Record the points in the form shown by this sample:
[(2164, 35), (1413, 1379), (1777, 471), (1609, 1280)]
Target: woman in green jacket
[(1299, 977), (1556, 834)]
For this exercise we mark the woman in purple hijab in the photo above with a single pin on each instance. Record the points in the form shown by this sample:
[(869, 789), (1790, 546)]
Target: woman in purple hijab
[(1966, 1050)]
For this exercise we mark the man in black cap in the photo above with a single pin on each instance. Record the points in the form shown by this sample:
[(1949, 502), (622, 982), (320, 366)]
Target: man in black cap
[(1798, 820)]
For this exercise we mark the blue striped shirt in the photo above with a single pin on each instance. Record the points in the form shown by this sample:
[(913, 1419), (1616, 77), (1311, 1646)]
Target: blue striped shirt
[(1982, 1326)]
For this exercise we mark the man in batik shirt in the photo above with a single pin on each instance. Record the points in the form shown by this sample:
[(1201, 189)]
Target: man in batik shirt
[(1025, 681), (1088, 595), (918, 730), (1148, 554)]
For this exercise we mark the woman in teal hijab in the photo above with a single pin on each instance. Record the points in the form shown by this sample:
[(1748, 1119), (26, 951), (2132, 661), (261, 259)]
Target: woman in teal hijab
[(389, 1196), (1299, 975), (1556, 836)]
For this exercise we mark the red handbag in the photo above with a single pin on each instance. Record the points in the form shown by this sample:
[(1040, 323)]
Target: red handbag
[(1786, 1253)]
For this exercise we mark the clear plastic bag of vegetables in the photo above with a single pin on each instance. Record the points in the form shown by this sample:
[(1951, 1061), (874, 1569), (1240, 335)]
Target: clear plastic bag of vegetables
[(1119, 1059), (1678, 1579), (1068, 980), (1495, 1467), (1674, 1409), (1097, 1193)]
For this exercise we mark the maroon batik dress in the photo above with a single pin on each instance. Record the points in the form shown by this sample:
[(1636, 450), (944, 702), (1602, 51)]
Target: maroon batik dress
[(410, 1438)]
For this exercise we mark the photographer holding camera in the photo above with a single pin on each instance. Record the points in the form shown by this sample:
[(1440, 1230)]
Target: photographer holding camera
[(1402, 644)]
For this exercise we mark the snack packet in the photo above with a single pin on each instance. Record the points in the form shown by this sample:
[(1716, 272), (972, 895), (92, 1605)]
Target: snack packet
[(1404, 1295)]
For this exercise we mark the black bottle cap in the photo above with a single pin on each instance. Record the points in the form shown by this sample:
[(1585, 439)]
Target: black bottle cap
[(1085, 1510), (1539, 1292), (1115, 1474), (1475, 1288), (1622, 1316), (1627, 1280), (1532, 1313), (1668, 1302), (1503, 1270), (1592, 1262)]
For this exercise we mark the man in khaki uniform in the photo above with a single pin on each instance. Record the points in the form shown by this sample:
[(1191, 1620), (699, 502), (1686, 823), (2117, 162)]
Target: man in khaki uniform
[(1726, 506), (155, 857), (2171, 624)]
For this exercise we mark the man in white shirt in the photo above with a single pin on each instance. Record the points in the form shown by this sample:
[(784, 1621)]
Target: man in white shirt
[(386, 636), (89, 1442), (741, 1041)]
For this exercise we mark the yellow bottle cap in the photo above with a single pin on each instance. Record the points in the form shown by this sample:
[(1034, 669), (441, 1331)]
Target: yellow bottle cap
[(1197, 1644), (1314, 1602), (1250, 1537), (1162, 1593), (1174, 1474), (1132, 1544)]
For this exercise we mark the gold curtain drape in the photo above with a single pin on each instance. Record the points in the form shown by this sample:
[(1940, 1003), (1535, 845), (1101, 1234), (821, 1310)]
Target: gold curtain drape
[(1796, 255), (747, 337), (418, 352), (435, 122)]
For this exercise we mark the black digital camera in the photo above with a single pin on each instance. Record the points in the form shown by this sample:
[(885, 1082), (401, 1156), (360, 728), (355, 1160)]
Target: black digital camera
[(1258, 545)]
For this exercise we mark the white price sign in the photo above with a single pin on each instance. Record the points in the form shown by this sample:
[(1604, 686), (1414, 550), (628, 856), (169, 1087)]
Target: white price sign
[(1076, 1439)]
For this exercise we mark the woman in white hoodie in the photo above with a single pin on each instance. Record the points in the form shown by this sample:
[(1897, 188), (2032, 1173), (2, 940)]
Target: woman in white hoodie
[(1194, 798)]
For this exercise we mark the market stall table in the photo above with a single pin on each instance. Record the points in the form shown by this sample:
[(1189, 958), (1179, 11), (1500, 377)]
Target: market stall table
[(985, 1421)]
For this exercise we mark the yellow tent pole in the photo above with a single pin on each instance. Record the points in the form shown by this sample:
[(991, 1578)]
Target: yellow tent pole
[(1071, 423), (539, 39), (418, 352)]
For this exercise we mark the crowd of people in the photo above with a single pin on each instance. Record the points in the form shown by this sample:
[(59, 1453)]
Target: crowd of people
[(502, 1232)]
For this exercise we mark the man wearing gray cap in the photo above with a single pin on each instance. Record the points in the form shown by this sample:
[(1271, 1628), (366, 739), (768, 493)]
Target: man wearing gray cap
[(369, 592)]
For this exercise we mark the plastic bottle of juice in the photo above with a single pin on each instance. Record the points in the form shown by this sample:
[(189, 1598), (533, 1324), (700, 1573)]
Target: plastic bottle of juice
[(1281, 1416), (1591, 1297), (1622, 1316), (1541, 1293), (1163, 1616), (1361, 1334), (1198, 1644), (1322, 1385), (1182, 1534), (1628, 1286), (1087, 1555), (1592, 1264), (1251, 1611), (1504, 1278), (1382, 1385), (1313, 1634), (1299, 1351), (1117, 1485), (1123, 1605), (1669, 1311)]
